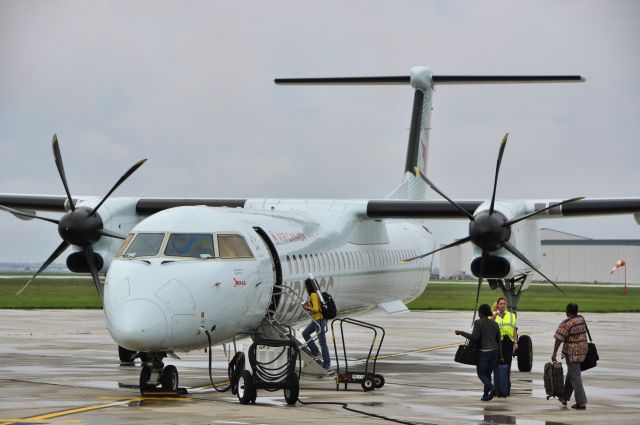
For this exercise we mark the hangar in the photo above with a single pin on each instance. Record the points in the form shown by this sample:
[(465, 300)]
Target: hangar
[(565, 258)]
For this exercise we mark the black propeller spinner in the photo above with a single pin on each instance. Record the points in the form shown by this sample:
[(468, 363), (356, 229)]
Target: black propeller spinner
[(82, 226), (490, 230)]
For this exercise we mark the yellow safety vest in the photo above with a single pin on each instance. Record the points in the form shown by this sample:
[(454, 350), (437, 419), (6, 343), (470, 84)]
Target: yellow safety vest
[(507, 325)]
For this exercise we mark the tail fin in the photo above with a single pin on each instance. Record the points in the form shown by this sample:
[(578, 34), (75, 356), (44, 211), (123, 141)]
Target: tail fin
[(413, 187)]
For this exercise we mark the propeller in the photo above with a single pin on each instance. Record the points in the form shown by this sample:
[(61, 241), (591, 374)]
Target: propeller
[(489, 229), (82, 226)]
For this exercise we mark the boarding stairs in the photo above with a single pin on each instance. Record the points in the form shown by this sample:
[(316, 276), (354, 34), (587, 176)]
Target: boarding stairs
[(273, 328)]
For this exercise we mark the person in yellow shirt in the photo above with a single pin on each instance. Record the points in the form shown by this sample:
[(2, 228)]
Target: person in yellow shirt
[(508, 329), (318, 325)]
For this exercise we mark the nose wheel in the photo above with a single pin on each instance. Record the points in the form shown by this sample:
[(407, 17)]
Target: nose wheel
[(156, 379)]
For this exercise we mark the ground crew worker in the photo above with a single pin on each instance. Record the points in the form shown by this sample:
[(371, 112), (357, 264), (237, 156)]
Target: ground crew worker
[(508, 330)]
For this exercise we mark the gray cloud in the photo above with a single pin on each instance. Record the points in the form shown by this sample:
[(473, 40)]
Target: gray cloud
[(189, 86)]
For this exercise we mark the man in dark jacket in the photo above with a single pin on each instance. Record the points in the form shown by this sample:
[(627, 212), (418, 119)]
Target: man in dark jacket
[(486, 334)]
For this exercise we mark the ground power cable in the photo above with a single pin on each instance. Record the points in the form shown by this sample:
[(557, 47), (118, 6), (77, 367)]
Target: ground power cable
[(230, 371), (345, 406)]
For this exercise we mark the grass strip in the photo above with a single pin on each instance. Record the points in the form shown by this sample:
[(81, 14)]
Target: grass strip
[(49, 292), (74, 292), (456, 296)]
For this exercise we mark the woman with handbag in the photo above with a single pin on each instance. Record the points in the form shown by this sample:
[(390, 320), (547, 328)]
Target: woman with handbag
[(486, 334)]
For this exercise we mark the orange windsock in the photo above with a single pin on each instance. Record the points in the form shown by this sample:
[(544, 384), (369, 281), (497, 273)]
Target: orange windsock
[(619, 263)]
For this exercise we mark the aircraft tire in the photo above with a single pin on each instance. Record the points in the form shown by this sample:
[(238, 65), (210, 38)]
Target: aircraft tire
[(292, 390), (525, 353), (246, 388), (126, 356), (368, 384), (169, 378), (145, 375)]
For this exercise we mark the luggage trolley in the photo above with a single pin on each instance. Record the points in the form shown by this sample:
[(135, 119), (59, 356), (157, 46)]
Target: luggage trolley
[(368, 379), (271, 374)]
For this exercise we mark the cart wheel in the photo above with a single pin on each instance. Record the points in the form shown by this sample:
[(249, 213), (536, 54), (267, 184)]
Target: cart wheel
[(292, 390), (368, 384), (378, 381), (246, 388)]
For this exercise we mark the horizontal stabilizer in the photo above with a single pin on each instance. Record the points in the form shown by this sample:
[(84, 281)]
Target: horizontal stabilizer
[(436, 79)]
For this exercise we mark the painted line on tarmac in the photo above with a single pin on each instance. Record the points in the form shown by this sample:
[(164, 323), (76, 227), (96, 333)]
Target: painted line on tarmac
[(49, 417), (427, 349)]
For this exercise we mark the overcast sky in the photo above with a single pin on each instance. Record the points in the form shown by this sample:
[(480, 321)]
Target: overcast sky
[(189, 85)]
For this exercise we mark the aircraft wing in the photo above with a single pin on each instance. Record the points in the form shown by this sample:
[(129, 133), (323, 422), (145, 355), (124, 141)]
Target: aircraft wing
[(34, 202), (390, 208), (144, 206), (387, 208)]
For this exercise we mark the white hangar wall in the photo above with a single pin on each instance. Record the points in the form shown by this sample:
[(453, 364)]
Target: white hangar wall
[(565, 258)]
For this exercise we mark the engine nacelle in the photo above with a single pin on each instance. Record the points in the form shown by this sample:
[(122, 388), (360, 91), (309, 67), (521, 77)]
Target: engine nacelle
[(525, 237), (77, 262), (118, 215)]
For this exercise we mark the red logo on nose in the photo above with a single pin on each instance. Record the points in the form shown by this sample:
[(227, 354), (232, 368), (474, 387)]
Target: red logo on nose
[(237, 282)]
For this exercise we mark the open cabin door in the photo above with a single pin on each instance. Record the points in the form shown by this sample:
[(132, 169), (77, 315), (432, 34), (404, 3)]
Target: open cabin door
[(277, 269)]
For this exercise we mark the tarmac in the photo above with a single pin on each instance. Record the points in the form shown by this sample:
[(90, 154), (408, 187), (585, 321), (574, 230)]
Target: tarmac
[(61, 366)]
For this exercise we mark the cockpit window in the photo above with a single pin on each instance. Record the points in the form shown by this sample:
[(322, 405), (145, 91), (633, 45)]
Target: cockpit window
[(125, 243), (145, 245), (190, 245), (233, 246)]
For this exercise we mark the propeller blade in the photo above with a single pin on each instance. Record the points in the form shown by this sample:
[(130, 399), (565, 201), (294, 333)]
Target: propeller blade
[(109, 233), (503, 144), (433, 186), (28, 215), (93, 268), (524, 217), (119, 182), (58, 158), (512, 249), (456, 243), (59, 250), (483, 261)]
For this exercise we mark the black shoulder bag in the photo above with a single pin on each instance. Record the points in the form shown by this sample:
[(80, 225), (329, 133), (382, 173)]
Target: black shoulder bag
[(592, 354), (468, 353)]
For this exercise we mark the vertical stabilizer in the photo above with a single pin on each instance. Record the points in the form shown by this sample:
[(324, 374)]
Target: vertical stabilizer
[(412, 187)]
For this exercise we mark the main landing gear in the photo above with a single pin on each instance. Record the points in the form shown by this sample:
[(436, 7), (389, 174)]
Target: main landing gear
[(128, 357), (156, 378), (512, 290)]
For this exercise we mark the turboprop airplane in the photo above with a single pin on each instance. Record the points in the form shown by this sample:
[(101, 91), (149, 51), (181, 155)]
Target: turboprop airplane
[(190, 267)]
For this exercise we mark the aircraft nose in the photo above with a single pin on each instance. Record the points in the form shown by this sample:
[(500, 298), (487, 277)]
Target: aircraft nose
[(139, 325)]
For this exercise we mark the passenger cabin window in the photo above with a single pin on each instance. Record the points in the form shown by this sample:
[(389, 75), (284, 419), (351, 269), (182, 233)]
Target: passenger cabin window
[(145, 245), (192, 245), (233, 246)]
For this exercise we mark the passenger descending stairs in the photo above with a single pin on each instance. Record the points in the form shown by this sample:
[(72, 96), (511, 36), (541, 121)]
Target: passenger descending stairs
[(272, 328)]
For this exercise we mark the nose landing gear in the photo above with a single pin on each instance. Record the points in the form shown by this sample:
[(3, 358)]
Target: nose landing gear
[(158, 379)]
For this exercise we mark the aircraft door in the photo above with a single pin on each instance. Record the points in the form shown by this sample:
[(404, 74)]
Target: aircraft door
[(276, 267)]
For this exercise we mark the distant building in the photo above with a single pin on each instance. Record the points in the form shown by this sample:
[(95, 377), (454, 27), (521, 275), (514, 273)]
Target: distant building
[(565, 258)]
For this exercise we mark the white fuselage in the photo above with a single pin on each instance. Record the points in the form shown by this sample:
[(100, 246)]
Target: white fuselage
[(159, 302)]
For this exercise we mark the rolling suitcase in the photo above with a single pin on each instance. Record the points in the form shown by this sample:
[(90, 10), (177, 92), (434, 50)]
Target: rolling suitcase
[(502, 380), (553, 379)]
